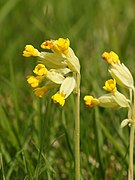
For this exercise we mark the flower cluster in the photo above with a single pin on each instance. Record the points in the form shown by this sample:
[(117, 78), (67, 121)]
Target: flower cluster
[(56, 68), (114, 99)]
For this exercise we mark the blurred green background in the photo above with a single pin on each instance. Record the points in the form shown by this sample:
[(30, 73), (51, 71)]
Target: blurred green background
[(37, 136)]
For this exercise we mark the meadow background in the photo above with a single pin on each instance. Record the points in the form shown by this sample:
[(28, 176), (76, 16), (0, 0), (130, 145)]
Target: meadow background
[(37, 136)]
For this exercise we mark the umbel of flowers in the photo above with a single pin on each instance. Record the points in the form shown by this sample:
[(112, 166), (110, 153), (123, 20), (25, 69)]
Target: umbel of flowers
[(114, 99), (56, 68)]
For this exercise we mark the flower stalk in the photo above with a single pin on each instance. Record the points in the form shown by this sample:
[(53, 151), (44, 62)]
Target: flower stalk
[(131, 150), (132, 132), (77, 129)]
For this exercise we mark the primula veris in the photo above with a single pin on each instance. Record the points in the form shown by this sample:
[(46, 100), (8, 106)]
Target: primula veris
[(114, 99), (90, 101), (59, 98), (111, 57), (30, 51), (33, 81), (40, 91), (57, 67), (118, 70), (121, 75), (110, 85), (40, 70), (61, 45), (65, 55)]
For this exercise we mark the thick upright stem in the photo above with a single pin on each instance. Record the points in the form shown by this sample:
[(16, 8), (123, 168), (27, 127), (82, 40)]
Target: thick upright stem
[(130, 171), (77, 130), (132, 131), (131, 148)]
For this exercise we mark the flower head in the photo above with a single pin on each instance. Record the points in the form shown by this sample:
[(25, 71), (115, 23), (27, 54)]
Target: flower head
[(110, 85), (30, 51), (40, 70), (90, 101), (62, 68), (111, 57), (62, 56), (59, 98)]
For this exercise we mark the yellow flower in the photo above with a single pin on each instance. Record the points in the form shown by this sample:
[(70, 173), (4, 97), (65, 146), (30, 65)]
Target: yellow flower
[(110, 85), (59, 98), (47, 45), (30, 51), (90, 101), (110, 57), (33, 81), (40, 92), (118, 70), (40, 70), (61, 45)]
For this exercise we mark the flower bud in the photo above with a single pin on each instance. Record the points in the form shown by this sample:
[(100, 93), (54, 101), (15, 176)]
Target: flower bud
[(124, 123)]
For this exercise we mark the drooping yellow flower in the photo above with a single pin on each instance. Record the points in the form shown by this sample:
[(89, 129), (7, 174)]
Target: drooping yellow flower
[(30, 51), (47, 45), (40, 92), (33, 81), (40, 70), (110, 85), (111, 57), (59, 98), (90, 101), (61, 45)]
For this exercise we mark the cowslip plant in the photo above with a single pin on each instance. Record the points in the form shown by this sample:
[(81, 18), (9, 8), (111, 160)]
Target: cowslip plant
[(58, 67), (114, 99)]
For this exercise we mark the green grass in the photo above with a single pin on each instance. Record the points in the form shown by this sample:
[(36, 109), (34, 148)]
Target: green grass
[(37, 136)]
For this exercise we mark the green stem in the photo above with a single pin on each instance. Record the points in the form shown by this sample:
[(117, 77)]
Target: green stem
[(77, 130), (132, 131), (130, 170)]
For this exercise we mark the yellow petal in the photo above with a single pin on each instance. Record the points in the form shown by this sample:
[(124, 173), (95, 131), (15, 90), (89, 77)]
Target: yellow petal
[(90, 101), (110, 85), (40, 70), (59, 98), (111, 57), (30, 51), (33, 81)]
